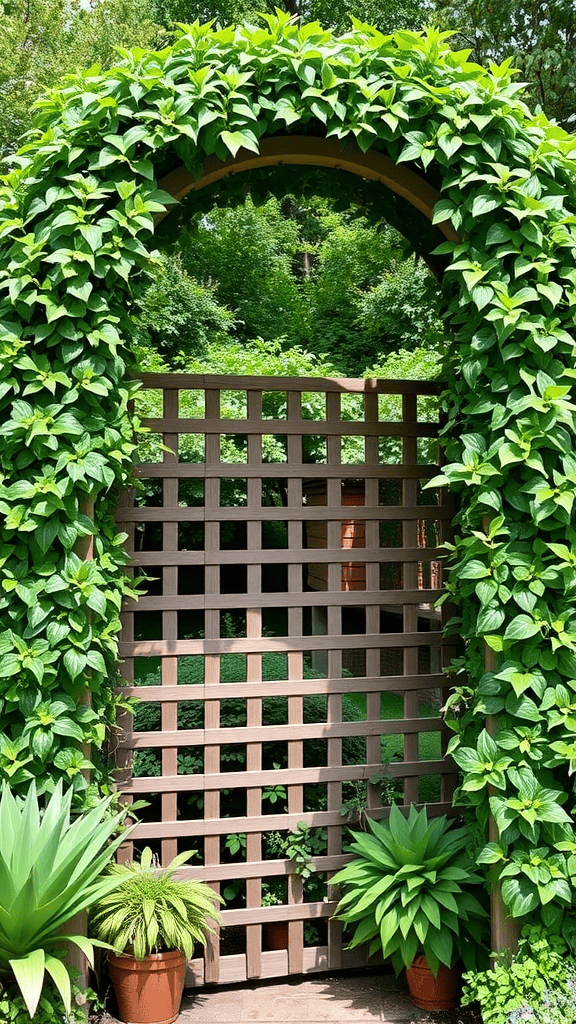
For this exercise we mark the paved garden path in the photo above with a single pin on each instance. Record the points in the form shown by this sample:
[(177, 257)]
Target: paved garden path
[(322, 999)]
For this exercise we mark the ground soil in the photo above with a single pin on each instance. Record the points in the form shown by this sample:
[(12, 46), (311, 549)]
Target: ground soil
[(463, 1015)]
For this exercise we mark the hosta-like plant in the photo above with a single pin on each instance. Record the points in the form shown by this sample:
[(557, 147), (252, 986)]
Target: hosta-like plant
[(151, 911), (408, 891), (50, 869)]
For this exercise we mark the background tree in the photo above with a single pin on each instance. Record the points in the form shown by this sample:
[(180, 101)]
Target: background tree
[(246, 255), (296, 273), (178, 315), (42, 40), (387, 15), (538, 35), (368, 298)]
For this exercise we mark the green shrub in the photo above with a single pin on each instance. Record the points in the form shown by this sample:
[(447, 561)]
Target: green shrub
[(150, 911), (177, 315), (13, 1009), (536, 985)]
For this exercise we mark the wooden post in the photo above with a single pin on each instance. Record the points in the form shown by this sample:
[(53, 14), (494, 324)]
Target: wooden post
[(504, 930), (78, 925)]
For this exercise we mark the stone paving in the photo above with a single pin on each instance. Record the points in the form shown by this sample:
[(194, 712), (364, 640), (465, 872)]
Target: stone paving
[(322, 999)]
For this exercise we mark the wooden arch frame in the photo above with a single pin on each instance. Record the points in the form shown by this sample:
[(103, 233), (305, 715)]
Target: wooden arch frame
[(306, 150)]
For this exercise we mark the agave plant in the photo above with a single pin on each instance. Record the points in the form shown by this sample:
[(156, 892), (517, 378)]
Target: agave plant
[(408, 891), (50, 869), (150, 911)]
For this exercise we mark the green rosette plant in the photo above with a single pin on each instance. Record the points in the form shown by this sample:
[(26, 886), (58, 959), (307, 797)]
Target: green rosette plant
[(408, 891), (50, 869), (151, 911)]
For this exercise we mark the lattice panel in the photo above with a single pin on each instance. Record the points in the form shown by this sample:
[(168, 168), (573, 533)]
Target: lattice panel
[(279, 670)]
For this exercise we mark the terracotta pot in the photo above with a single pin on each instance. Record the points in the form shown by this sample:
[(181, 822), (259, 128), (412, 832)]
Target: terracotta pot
[(433, 993), (148, 991), (276, 934)]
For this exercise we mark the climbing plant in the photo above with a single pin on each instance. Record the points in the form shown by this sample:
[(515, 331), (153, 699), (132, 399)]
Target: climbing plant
[(76, 236)]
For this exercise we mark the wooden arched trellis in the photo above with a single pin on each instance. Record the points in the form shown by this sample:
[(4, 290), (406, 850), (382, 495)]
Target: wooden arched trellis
[(307, 150)]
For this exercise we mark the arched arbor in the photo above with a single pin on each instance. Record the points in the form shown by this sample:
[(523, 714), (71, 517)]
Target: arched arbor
[(76, 231)]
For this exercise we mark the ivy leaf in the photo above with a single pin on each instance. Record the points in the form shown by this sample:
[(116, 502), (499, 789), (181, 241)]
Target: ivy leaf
[(483, 203), (481, 295), (486, 590), (519, 895), (492, 853), (74, 662), (523, 707), (494, 642), (443, 210), (553, 292), (239, 140), (473, 570), (521, 628), (66, 727), (97, 602), (490, 618), (467, 759), (72, 762), (487, 747), (56, 632), (95, 661), (498, 233), (9, 665), (6, 642), (41, 743), (45, 534)]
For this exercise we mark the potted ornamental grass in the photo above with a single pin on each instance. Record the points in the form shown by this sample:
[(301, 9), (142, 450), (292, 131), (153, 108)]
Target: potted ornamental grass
[(153, 921), (412, 893)]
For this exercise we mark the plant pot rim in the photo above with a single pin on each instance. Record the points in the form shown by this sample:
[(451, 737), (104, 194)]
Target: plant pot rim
[(421, 961), (165, 955)]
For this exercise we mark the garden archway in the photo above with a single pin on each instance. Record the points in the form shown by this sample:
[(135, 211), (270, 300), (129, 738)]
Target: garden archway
[(305, 150), (76, 223)]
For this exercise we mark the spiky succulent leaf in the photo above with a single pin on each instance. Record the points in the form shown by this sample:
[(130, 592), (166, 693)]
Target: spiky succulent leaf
[(29, 974), (59, 974), (49, 871), (363, 933)]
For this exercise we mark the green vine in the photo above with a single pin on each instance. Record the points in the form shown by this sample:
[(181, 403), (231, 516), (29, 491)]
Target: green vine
[(76, 231)]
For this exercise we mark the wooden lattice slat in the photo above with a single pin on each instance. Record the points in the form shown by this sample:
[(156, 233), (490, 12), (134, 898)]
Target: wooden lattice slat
[(357, 627)]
